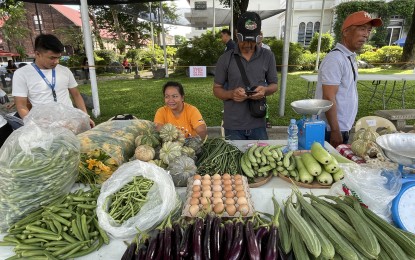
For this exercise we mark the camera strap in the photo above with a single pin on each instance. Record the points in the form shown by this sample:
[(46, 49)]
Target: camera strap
[(243, 73)]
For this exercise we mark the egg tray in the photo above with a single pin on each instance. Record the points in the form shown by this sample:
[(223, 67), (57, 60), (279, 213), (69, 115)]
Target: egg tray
[(189, 191)]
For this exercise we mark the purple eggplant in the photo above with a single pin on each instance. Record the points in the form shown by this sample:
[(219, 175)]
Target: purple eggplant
[(207, 249), (271, 252), (228, 237), (160, 247), (197, 239), (176, 239), (152, 245), (260, 236), (238, 238), (284, 256), (141, 252), (186, 241), (253, 247), (129, 253), (167, 243), (216, 238)]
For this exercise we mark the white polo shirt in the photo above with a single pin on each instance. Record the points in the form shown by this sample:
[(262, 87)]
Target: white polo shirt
[(336, 69), (28, 83)]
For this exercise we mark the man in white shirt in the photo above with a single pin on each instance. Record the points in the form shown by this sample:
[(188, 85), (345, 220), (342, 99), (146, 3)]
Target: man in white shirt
[(46, 81)]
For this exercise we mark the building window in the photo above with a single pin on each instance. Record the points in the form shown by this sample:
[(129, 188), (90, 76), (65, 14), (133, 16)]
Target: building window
[(37, 20), (308, 33), (301, 33), (317, 27), (394, 29)]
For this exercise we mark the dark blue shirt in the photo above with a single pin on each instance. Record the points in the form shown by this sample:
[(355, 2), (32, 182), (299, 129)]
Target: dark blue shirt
[(230, 45)]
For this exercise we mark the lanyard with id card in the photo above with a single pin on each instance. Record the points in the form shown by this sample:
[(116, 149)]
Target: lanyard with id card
[(52, 86)]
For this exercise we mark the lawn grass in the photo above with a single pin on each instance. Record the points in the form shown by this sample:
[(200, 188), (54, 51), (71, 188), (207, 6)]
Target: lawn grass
[(142, 97)]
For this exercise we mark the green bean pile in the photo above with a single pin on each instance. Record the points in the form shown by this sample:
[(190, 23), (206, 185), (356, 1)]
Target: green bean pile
[(29, 180), (127, 202), (219, 156), (66, 228)]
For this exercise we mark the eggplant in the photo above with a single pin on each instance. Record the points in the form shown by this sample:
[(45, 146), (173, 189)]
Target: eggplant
[(186, 241), (141, 252), (176, 239), (253, 247), (160, 250), (129, 253), (271, 252), (167, 243), (197, 239), (236, 251), (216, 230), (228, 237), (284, 256), (260, 236), (207, 250), (152, 245)]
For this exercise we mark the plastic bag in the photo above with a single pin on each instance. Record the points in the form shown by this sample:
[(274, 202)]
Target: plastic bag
[(37, 165), (376, 188), (58, 115), (161, 199)]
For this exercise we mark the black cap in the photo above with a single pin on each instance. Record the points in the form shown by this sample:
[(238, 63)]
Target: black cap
[(249, 27)]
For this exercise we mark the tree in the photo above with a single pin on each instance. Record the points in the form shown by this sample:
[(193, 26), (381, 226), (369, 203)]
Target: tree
[(408, 53), (71, 36), (239, 7)]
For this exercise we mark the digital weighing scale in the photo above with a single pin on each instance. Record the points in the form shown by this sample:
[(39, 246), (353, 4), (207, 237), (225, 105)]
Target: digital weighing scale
[(310, 128), (400, 148)]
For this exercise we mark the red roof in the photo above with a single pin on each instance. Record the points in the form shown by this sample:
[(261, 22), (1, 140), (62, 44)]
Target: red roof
[(8, 54), (71, 14)]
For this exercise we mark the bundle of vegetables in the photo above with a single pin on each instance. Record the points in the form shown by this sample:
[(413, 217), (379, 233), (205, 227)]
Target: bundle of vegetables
[(364, 144), (261, 160), (105, 147), (37, 165), (128, 201), (65, 228), (219, 156), (332, 227), (318, 164), (210, 237)]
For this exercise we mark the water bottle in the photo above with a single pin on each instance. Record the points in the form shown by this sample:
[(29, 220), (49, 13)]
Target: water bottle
[(292, 143)]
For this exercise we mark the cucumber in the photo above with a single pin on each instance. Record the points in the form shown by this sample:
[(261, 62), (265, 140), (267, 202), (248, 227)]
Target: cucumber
[(325, 178), (305, 177), (320, 154), (338, 175), (331, 167), (310, 163)]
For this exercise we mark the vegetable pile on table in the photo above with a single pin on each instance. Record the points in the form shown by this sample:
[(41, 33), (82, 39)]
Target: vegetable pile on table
[(65, 228)]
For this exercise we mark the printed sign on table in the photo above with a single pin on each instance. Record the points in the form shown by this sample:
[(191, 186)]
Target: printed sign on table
[(197, 71)]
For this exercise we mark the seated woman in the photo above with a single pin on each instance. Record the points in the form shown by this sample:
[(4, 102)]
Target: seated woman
[(184, 116)]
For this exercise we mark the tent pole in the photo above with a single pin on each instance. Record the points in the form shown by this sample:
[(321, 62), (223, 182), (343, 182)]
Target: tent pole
[(164, 40), (214, 18), (86, 30), (152, 30), (319, 37), (231, 19), (285, 54)]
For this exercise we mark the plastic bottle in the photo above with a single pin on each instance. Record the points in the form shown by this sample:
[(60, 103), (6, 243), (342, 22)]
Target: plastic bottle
[(292, 142)]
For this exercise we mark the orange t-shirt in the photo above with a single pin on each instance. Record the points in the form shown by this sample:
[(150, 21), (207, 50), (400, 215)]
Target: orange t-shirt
[(187, 122)]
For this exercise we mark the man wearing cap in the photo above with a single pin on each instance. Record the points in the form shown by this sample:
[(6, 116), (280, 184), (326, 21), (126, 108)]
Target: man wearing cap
[(337, 77), (260, 69)]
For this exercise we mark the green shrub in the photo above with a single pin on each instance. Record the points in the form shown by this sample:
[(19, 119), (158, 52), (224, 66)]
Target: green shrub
[(366, 48), (107, 55), (326, 45), (147, 58), (100, 66), (390, 54), (203, 50), (295, 54), (308, 60), (371, 57)]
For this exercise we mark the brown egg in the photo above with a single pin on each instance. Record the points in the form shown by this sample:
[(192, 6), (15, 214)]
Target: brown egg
[(219, 208), (206, 177), (229, 201), (238, 182), (204, 201), (207, 194), (206, 182), (194, 201), (196, 194), (227, 188), (197, 183), (227, 182), (217, 200), (206, 187), (244, 209), (237, 177), (217, 182), (197, 177), (217, 194), (196, 188), (216, 176), (226, 176), (229, 194), (217, 188), (240, 193), (193, 210), (239, 188), (242, 201), (230, 209)]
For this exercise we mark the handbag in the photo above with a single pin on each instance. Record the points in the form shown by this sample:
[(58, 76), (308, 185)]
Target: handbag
[(257, 107), (3, 97)]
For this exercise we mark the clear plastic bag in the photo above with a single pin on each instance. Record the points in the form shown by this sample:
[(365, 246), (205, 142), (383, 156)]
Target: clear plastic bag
[(37, 165), (161, 199), (375, 187), (58, 115)]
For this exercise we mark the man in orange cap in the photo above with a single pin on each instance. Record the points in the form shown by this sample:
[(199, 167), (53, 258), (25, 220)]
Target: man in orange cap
[(337, 77)]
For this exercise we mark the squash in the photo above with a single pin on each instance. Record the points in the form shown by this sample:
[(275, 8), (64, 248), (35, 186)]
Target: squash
[(169, 133), (195, 143), (370, 135), (359, 134), (169, 151), (188, 152), (180, 169), (149, 138), (144, 153), (367, 148)]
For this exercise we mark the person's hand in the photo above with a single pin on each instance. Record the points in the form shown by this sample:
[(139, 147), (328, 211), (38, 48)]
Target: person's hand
[(260, 93), (91, 123), (239, 94), (336, 138)]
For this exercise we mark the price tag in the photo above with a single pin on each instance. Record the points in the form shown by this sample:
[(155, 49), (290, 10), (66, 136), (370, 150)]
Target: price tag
[(371, 122)]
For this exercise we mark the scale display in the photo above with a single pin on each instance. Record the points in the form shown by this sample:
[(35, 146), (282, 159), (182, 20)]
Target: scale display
[(403, 207)]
